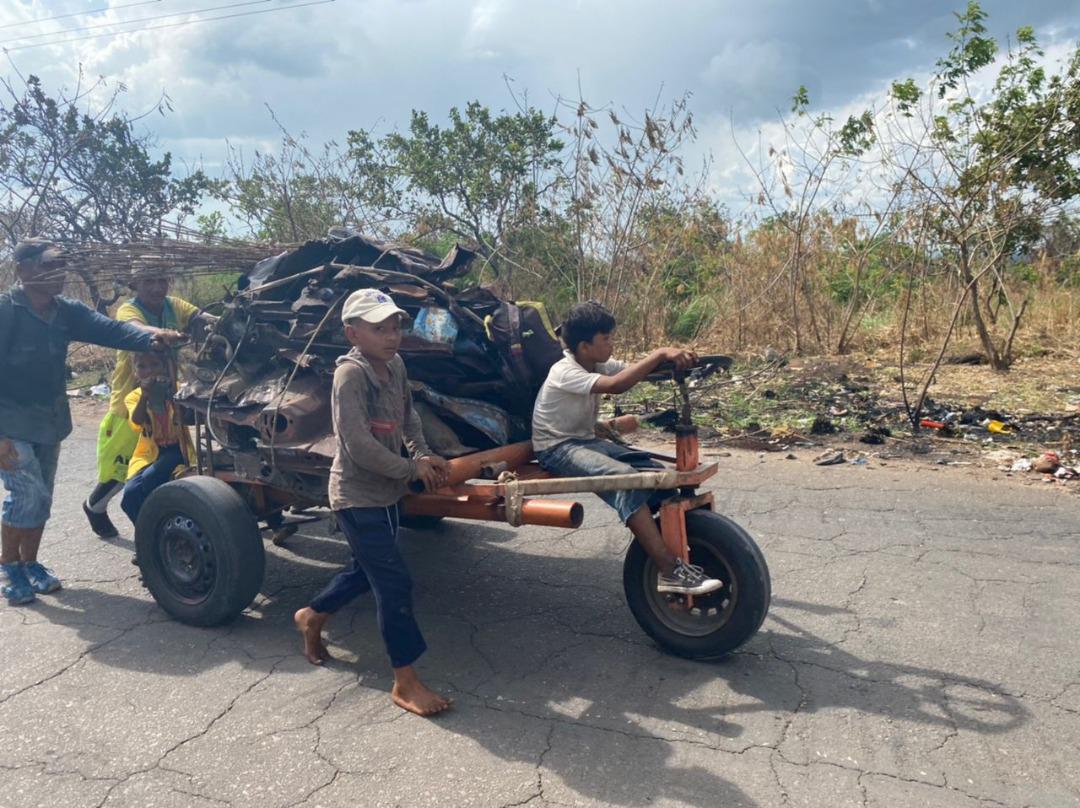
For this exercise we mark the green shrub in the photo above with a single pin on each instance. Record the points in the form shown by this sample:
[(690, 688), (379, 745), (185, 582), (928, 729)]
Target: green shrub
[(693, 319)]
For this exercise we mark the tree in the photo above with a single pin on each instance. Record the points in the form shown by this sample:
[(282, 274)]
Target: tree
[(76, 173), (805, 181), (478, 178), (81, 174), (630, 207), (298, 193), (985, 175)]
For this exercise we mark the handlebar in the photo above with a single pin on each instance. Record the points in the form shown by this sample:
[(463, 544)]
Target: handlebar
[(705, 366)]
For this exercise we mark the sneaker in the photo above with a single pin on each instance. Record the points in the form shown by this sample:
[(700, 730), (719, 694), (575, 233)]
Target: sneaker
[(100, 523), (41, 578), (18, 590), (687, 579)]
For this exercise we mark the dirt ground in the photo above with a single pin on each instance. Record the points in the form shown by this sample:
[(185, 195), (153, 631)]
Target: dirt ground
[(856, 404)]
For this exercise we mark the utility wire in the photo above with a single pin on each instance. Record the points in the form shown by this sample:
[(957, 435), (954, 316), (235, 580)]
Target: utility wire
[(165, 25), (77, 14), (64, 31)]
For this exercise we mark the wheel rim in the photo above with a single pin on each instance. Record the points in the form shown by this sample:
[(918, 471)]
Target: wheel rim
[(709, 613), (186, 557)]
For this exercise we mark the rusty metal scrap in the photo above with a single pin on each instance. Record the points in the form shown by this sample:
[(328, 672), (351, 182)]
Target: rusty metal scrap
[(261, 378)]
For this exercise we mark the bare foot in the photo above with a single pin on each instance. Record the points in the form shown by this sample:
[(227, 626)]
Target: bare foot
[(409, 693), (310, 625)]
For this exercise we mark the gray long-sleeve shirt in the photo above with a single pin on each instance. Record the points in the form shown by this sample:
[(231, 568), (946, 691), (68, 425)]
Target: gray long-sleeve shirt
[(33, 361), (372, 421)]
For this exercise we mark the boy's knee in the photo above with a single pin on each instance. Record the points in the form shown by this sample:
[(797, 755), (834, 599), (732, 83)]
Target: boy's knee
[(130, 501)]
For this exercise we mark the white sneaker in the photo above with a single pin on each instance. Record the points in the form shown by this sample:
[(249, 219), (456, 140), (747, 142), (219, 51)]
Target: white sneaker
[(687, 579)]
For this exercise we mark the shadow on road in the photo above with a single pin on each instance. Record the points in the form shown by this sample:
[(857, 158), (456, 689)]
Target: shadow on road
[(550, 638)]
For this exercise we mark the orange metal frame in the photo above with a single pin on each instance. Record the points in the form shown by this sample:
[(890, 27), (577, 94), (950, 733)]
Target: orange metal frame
[(467, 497)]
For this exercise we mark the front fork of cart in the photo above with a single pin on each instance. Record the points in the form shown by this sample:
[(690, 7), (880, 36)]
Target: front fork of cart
[(673, 512)]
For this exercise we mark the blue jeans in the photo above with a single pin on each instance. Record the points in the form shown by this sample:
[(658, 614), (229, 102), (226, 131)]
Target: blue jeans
[(595, 458), (149, 479), (30, 484), (377, 566)]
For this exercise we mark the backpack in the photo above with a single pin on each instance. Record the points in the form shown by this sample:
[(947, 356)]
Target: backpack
[(523, 334)]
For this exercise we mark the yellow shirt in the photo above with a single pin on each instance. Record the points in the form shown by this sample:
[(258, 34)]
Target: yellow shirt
[(177, 314), (170, 430)]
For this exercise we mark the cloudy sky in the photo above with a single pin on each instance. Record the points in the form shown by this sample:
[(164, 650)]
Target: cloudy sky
[(326, 67)]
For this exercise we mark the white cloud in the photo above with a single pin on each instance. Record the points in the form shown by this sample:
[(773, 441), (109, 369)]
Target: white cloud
[(363, 63)]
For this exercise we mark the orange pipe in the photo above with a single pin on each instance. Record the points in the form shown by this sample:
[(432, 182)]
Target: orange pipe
[(471, 465), (686, 448), (546, 512)]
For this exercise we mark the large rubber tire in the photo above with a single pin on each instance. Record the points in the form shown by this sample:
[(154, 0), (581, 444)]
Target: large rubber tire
[(719, 622), (200, 550)]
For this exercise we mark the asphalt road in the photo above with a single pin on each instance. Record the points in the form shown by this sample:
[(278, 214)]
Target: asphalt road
[(923, 649)]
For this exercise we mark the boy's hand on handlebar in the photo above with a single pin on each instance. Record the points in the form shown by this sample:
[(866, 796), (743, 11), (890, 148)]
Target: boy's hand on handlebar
[(681, 358)]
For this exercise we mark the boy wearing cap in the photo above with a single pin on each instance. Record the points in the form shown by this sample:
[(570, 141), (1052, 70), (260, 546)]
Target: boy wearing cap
[(152, 306), (36, 325), (373, 418)]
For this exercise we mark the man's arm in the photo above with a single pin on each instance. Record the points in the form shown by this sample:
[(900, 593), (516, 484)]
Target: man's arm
[(632, 374), (352, 424), (190, 320), (88, 325)]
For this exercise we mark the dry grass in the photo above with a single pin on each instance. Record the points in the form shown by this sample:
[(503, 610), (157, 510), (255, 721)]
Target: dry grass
[(1045, 384)]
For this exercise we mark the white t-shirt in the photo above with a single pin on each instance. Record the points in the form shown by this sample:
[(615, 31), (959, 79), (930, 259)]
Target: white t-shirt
[(565, 406)]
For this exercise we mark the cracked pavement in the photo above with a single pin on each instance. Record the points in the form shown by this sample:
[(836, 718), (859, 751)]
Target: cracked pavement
[(921, 650)]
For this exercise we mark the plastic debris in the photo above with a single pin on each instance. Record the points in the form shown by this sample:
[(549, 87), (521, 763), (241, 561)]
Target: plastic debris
[(436, 325), (101, 391), (1023, 464), (829, 458), (998, 428), (931, 424), (1047, 464)]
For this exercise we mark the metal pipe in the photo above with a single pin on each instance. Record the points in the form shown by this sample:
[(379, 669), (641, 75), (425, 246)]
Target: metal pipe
[(668, 478), (546, 512), (471, 466)]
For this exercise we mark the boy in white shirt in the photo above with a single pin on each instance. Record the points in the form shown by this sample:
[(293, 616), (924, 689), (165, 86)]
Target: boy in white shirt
[(564, 433)]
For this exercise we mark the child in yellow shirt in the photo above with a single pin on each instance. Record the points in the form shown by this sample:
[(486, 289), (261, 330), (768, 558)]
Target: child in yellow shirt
[(164, 449)]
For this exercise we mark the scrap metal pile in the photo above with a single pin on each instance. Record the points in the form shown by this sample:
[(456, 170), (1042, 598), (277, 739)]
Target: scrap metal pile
[(261, 377)]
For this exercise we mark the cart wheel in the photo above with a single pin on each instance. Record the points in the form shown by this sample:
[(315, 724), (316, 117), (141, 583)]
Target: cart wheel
[(200, 551), (719, 622)]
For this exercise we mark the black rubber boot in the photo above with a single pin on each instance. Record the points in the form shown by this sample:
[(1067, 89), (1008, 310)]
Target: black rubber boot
[(100, 523)]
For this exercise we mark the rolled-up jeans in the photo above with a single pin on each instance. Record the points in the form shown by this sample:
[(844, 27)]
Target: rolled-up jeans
[(149, 479), (377, 566), (601, 458), (30, 484)]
